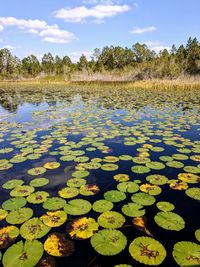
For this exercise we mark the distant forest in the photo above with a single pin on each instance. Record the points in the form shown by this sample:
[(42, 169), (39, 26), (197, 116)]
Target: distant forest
[(139, 62)]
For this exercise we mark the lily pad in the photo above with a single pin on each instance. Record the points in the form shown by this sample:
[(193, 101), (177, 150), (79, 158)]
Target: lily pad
[(129, 187), (77, 207), (23, 254), (33, 229), (22, 191), (193, 193), (39, 182), (133, 210), (140, 169), (157, 179), (151, 189), (109, 167), (191, 169), (58, 245), (3, 214), (108, 242), (165, 206), (89, 190), (186, 253), (155, 165), (54, 203), (111, 219), (114, 196), (38, 197), (147, 251), (37, 171), (54, 218), (76, 182), (68, 192), (189, 178), (14, 203), (82, 228), (19, 216), (169, 221), (8, 234), (197, 234), (102, 205), (51, 165), (12, 184), (121, 177), (143, 199)]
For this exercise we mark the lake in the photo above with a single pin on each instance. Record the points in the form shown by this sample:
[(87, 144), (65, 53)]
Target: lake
[(99, 177)]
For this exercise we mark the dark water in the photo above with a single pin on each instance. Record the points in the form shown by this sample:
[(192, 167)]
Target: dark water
[(79, 118)]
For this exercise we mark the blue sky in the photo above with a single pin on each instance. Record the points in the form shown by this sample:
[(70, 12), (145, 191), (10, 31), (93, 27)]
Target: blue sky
[(67, 27)]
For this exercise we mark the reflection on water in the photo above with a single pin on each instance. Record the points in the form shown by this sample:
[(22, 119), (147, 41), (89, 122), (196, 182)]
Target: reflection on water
[(101, 133)]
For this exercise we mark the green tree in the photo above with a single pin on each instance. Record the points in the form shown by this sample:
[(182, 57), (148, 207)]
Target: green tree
[(31, 65), (82, 63), (193, 56), (48, 63)]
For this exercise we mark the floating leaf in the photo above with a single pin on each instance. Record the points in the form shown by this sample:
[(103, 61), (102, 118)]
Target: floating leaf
[(157, 179), (108, 242), (12, 184), (77, 207), (8, 234), (191, 169), (102, 205), (58, 245), (82, 228), (140, 169), (114, 196), (175, 164), (121, 177), (54, 218), (133, 210), (22, 191), (19, 216), (37, 171), (193, 193), (76, 182), (197, 234), (143, 199), (186, 253), (68, 192), (89, 190), (140, 223), (54, 203), (165, 206), (151, 189), (80, 174), (39, 182), (155, 165), (169, 221), (147, 250), (51, 165), (111, 219), (3, 214), (33, 229), (38, 197), (23, 254), (129, 187), (109, 167), (14, 203)]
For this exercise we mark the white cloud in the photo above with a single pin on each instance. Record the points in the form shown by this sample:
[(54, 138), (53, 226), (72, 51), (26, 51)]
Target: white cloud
[(157, 46), (48, 33), (98, 12), (138, 30), (1, 28), (77, 54)]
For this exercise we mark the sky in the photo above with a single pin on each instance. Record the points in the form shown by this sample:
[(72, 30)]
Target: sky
[(66, 27)]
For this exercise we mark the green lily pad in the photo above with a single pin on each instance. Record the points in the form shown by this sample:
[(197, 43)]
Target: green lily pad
[(108, 242), (54, 203), (82, 228), (129, 187), (114, 196), (189, 178), (186, 253), (12, 184), (111, 219), (89, 190), (157, 179), (169, 221), (143, 199), (180, 157), (36, 171), (133, 210), (38, 197), (102, 205), (14, 203), (191, 169), (151, 189), (76, 182), (33, 229), (175, 164), (39, 182), (22, 191), (19, 216), (68, 192), (3, 214), (80, 174), (109, 167), (140, 169), (197, 234), (77, 207), (193, 193), (121, 177), (51, 165), (23, 254), (147, 251), (155, 165), (58, 245), (165, 206)]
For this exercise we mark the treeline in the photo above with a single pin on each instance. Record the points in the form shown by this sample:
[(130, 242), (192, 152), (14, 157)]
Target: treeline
[(139, 61)]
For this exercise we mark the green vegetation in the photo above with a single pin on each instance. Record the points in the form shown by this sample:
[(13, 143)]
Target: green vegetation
[(110, 63)]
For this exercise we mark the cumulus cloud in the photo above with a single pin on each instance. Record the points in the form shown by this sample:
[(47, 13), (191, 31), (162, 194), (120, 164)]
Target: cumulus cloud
[(48, 33), (98, 12), (1, 28), (157, 46), (138, 30)]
